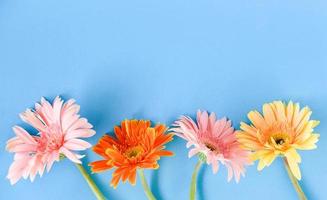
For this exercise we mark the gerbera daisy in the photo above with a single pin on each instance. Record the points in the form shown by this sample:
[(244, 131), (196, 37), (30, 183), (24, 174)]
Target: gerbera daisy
[(281, 130), (215, 142), (59, 128), (136, 145)]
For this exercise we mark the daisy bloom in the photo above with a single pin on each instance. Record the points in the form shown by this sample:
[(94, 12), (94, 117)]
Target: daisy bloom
[(215, 142), (281, 130), (59, 128), (136, 145)]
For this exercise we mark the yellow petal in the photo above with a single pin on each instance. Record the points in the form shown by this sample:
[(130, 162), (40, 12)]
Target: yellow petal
[(280, 111), (295, 169), (268, 113), (290, 111), (315, 123), (270, 158), (261, 165), (296, 110), (248, 129), (266, 157), (293, 158), (302, 117), (303, 131), (309, 143), (259, 154), (249, 144), (257, 119)]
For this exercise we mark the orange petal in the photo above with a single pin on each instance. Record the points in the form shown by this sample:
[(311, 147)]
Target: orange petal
[(115, 180), (100, 166), (164, 153), (132, 177)]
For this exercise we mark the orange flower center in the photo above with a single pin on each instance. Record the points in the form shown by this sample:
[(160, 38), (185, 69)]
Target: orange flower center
[(134, 152), (278, 136)]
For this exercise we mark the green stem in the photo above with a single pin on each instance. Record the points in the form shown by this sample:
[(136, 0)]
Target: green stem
[(90, 182), (145, 185), (294, 181), (194, 178)]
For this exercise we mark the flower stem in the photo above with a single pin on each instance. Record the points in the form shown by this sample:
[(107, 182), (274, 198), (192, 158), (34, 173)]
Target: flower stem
[(90, 182), (295, 182), (145, 185), (194, 178)]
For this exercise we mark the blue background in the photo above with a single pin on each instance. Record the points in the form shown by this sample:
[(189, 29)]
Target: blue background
[(157, 60)]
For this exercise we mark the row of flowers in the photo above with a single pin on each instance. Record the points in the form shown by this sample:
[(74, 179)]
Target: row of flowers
[(279, 131)]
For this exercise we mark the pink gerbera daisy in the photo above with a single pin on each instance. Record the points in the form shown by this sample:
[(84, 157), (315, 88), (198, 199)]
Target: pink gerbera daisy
[(214, 141), (59, 126)]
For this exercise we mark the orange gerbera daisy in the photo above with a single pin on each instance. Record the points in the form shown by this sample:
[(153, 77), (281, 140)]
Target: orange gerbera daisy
[(137, 145)]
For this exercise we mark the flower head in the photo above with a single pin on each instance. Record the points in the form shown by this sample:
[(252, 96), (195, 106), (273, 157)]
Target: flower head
[(216, 140), (137, 145), (59, 126), (280, 131)]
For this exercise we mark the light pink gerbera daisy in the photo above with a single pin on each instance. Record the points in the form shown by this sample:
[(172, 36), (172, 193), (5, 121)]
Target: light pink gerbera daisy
[(215, 141), (59, 126)]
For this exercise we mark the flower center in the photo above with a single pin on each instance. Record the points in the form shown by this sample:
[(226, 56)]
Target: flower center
[(279, 139), (134, 152), (52, 139), (212, 147)]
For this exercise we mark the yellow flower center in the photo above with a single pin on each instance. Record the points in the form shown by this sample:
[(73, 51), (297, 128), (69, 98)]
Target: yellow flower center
[(134, 152), (279, 140)]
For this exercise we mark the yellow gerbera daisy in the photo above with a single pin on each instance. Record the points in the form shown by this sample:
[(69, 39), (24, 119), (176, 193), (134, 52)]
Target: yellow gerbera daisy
[(280, 131)]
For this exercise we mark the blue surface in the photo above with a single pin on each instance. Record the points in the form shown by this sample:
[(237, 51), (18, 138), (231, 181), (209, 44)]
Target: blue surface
[(157, 60)]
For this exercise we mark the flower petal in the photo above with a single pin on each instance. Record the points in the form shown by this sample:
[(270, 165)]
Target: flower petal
[(293, 158), (77, 144), (71, 156), (79, 133)]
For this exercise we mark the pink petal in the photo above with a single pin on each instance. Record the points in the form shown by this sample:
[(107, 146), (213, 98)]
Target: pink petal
[(79, 156), (227, 125), (81, 123), (215, 167), (71, 156), (16, 170), (77, 144), (177, 131), (189, 144), (24, 135), (192, 152), (212, 120), (69, 114), (202, 120), (82, 133), (191, 124), (52, 158), (57, 105), (72, 110), (230, 172), (67, 121), (47, 111), (24, 148), (68, 104), (33, 119), (11, 143), (219, 126)]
